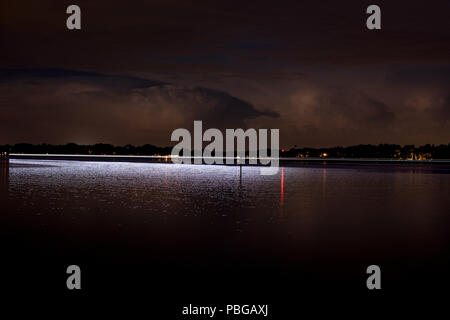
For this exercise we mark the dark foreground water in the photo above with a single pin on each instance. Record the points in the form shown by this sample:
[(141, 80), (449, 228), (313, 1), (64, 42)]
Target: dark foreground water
[(171, 234)]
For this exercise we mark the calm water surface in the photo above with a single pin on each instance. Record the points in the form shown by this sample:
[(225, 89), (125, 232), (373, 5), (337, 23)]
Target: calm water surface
[(358, 207), (196, 216)]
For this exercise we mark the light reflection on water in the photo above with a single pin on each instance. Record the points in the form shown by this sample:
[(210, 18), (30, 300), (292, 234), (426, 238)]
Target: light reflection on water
[(341, 210)]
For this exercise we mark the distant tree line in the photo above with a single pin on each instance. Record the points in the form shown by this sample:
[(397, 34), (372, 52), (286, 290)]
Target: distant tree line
[(96, 149), (381, 151)]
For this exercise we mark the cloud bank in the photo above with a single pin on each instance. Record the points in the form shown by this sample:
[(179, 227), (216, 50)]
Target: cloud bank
[(58, 106)]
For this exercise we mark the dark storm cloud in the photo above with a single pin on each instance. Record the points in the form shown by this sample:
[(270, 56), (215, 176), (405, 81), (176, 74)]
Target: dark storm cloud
[(428, 89), (314, 63), (108, 82), (218, 109), (353, 107), (57, 105)]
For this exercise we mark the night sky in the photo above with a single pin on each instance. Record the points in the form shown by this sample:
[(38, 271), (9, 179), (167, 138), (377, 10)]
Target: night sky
[(139, 69)]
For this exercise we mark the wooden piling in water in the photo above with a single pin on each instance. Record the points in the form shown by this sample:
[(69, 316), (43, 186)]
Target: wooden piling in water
[(4, 177)]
